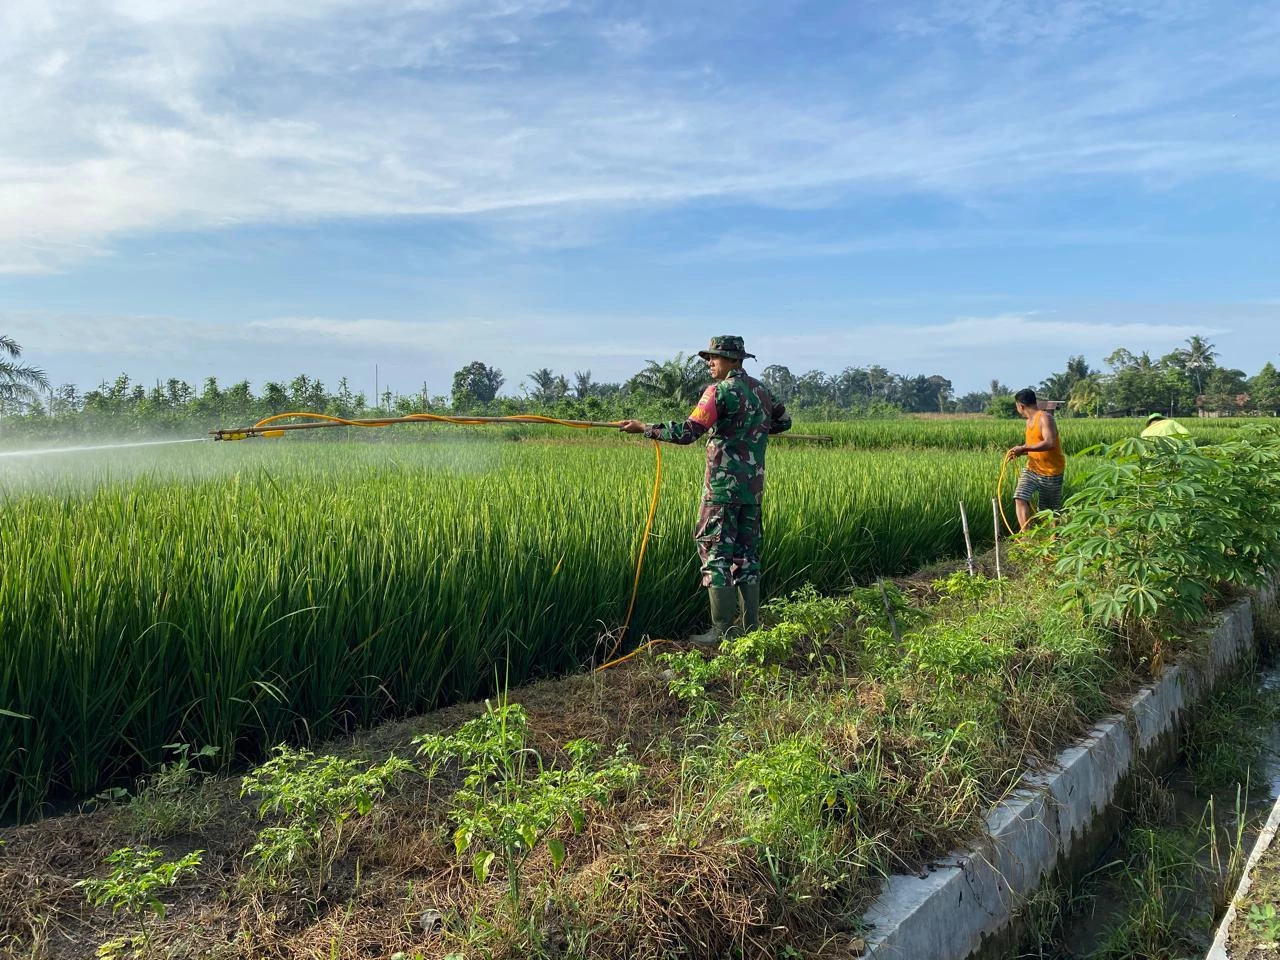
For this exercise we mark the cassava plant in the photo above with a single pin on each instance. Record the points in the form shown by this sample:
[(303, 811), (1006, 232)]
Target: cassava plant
[(1162, 525)]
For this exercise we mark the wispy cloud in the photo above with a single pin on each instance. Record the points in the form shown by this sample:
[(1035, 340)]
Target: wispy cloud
[(167, 336), (129, 116), (533, 338), (630, 38), (747, 245), (1022, 22), (1024, 344), (124, 339), (1052, 333)]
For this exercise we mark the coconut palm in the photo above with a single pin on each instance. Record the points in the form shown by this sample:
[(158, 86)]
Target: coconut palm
[(1086, 396), (548, 386), (18, 381), (1198, 359)]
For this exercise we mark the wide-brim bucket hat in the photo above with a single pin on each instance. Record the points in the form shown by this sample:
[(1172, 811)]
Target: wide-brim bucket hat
[(1155, 416), (727, 346)]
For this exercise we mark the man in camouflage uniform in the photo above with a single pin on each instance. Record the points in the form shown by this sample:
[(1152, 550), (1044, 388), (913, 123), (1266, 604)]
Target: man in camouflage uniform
[(739, 413)]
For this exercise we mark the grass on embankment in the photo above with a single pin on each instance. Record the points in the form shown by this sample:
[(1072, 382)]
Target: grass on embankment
[(740, 805), (1255, 931)]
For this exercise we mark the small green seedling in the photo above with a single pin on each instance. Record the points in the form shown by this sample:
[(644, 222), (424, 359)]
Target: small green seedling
[(1263, 921), (135, 881), (169, 802), (510, 803), (313, 797)]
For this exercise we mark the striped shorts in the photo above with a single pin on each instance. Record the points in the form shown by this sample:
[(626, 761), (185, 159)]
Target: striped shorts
[(1049, 488)]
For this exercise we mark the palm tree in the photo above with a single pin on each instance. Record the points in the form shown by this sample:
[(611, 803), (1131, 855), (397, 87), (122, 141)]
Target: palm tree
[(18, 381), (547, 386), (1197, 359), (1086, 396), (680, 379), (583, 385)]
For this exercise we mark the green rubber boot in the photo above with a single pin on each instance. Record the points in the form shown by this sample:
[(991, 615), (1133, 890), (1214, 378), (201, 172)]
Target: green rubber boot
[(749, 593), (724, 613)]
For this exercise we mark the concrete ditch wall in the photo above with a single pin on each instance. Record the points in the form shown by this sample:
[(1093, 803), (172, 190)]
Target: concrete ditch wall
[(1057, 822)]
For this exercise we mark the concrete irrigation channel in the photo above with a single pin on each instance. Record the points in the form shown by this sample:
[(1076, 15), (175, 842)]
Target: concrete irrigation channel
[(1060, 821)]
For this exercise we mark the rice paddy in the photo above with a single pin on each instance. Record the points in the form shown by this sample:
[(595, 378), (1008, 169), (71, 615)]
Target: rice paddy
[(970, 433), (239, 594)]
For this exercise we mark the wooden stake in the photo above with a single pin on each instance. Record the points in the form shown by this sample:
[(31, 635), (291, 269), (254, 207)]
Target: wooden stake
[(968, 541), (995, 515)]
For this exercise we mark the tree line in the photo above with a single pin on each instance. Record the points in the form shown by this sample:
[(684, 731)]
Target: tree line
[(1186, 382)]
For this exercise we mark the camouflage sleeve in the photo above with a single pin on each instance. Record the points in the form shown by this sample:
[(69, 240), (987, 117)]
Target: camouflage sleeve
[(781, 420), (701, 420), (675, 431)]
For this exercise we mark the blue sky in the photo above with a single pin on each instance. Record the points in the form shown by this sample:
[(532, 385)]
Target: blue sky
[(978, 188)]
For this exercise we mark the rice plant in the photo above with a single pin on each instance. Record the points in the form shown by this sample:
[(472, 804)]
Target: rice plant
[(980, 433), (235, 595)]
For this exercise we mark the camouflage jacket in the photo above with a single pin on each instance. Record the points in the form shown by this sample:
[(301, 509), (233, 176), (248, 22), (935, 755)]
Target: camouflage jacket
[(739, 412)]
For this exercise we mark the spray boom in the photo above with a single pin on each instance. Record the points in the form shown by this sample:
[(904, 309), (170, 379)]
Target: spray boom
[(245, 434)]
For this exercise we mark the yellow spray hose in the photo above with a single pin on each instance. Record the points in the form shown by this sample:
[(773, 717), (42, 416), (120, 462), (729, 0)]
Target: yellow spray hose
[(578, 425), (644, 541), (1004, 468), (635, 589)]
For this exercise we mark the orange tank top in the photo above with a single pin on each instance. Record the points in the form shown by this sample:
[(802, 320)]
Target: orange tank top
[(1047, 463)]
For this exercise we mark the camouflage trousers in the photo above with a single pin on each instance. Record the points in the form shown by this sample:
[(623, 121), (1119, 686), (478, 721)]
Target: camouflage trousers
[(729, 537)]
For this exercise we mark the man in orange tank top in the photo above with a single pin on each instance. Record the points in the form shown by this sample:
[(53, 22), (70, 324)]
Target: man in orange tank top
[(1045, 460)]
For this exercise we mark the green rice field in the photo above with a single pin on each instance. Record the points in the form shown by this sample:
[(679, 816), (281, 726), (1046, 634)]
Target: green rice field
[(971, 433), (237, 594), (981, 433)]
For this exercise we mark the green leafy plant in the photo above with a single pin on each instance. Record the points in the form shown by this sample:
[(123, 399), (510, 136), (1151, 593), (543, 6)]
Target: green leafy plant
[(789, 789), (1128, 549), (966, 589), (137, 876), (1263, 921), (805, 623), (1161, 524), (509, 802), (314, 797)]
